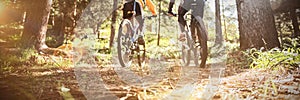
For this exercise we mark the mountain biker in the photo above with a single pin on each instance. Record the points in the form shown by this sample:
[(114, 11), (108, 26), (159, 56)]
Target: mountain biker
[(197, 7), (128, 12)]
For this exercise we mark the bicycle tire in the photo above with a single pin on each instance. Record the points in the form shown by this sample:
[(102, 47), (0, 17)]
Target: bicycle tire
[(124, 43), (186, 51), (203, 41), (194, 47)]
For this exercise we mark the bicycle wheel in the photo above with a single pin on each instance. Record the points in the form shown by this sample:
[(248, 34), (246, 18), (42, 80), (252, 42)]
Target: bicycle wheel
[(195, 43), (202, 38), (186, 51), (124, 43)]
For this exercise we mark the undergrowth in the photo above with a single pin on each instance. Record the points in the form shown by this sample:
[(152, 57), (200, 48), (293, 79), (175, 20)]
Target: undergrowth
[(276, 57), (11, 60)]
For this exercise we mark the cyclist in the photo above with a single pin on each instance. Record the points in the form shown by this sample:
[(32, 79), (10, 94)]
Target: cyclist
[(197, 10), (128, 12)]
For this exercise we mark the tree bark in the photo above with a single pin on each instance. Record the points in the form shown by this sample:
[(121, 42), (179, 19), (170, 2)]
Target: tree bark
[(295, 23), (35, 26), (219, 36), (256, 24)]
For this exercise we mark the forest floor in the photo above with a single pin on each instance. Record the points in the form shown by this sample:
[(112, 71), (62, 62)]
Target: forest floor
[(39, 81)]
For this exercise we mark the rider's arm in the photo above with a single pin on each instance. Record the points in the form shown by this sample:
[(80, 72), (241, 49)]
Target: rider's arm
[(142, 2), (151, 7), (181, 20)]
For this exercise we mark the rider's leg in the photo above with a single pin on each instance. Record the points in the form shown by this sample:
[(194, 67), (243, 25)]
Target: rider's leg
[(193, 29), (171, 4), (182, 10), (140, 20), (128, 15), (182, 23)]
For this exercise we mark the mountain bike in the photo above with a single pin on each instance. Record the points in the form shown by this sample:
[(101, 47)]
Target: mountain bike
[(195, 45), (129, 45)]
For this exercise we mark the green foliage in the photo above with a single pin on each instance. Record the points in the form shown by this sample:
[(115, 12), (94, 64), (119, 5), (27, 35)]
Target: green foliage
[(27, 54), (293, 43), (283, 23), (57, 62), (8, 61), (274, 58), (13, 58), (167, 49)]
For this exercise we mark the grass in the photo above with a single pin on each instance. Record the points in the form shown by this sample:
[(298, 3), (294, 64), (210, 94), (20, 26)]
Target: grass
[(274, 58)]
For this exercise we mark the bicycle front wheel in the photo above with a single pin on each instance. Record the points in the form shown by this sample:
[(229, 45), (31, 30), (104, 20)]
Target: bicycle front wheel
[(202, 38), (124, 43)]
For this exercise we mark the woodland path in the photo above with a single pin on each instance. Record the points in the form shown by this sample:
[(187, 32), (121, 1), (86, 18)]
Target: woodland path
[(31, 81)]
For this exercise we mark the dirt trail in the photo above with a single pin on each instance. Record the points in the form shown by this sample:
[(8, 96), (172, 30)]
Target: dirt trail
[(36, 82)]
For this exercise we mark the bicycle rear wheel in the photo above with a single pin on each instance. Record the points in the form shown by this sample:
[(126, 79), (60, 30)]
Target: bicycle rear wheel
[(124, 43)]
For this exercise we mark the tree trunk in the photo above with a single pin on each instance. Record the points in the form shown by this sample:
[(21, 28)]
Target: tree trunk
[(224, 21), (256, 24), (35, 26), (113, 23), (219, 36), (295, 23)]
